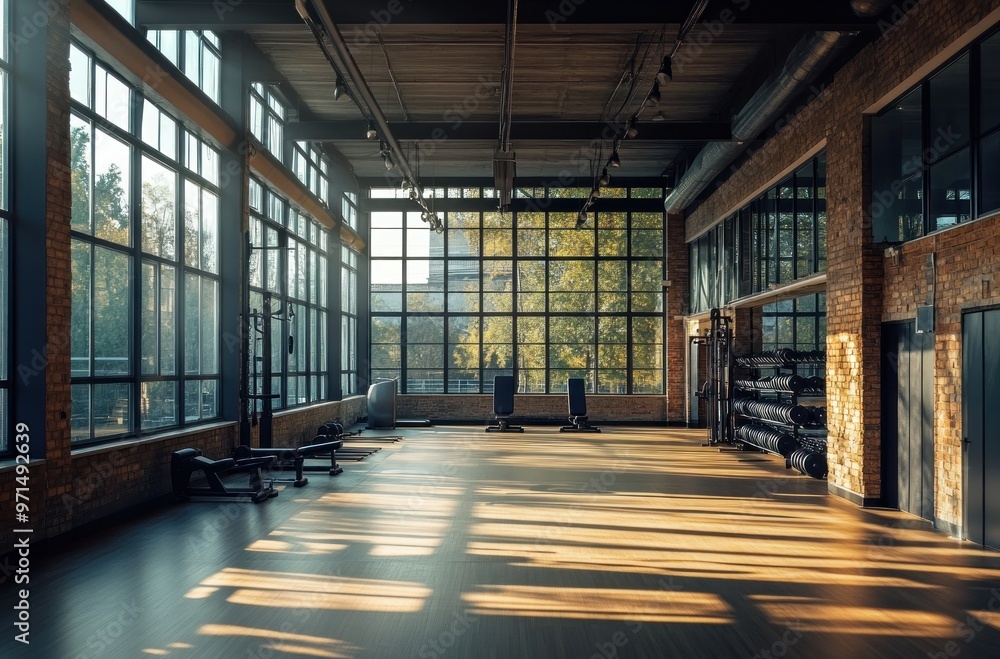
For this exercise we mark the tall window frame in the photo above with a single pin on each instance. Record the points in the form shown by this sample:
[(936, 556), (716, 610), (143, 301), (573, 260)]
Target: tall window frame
[(5, 217), (774, 240), (145, 340), (197, 53), (523, 293), (348, 321), (268, 115), (935, 156), (290, 261)]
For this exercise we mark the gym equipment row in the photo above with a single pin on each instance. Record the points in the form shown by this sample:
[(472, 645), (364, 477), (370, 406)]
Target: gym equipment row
[(768, 438), (189, 461), (782, 357), (778, 412)]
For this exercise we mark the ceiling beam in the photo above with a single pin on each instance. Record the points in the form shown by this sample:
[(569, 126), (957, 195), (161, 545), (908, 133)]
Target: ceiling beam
[(248, 14), (682, 131)]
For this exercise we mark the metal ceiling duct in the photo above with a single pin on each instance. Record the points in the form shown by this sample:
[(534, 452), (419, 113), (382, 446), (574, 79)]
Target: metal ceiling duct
[(869, 8), (810, 56)]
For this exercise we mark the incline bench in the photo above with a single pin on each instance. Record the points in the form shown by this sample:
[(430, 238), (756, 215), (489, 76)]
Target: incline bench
[(576, 395), (503, 404)]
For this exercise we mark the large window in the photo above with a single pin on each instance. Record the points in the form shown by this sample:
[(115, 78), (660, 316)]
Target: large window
[(4, 239), (289, 263), (310, 166), (927, 147), (776, 239), (195, 52), (522, 293), (348, 321), (349, 208), (145, 262), (267, 119)]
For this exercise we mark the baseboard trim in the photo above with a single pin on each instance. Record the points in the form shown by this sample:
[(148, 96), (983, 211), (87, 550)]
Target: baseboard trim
[(854, 497)]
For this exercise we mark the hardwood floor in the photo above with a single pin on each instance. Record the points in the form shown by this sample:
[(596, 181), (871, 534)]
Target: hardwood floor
[(456, 543)]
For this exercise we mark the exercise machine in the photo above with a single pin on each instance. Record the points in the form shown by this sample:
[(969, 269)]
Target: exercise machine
[(503, 404), (576, 396), (333, 431), (382, 407), (284, 458), (188, 461)]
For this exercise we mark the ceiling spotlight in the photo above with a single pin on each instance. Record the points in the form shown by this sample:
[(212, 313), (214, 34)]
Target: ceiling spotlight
[(614, 160), (413, 194), (631, 130), (665, 74), (406, 185), (581, 219), (389, 162), (605, 178), (371, 133), (654, 95), (340, 90), (425, 216)]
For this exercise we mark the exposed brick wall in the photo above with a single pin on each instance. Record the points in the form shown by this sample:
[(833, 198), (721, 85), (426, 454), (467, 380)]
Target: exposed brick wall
[(676, 334), (100, 481), (297, 427), (58, 297), (967, 275), (443, 408), (855, 266)]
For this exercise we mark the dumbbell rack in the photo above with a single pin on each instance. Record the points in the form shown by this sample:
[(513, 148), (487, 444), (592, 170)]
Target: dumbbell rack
[(806, 450)]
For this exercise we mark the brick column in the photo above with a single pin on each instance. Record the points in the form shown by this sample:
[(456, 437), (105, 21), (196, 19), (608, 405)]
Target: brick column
[(854, 308), (676, 333)]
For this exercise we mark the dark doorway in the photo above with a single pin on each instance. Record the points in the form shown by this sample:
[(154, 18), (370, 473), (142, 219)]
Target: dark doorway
[(980, 423), (908, 419)]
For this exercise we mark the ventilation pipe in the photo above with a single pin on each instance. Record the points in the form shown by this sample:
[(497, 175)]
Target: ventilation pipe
[(869, 8), (810, 56)]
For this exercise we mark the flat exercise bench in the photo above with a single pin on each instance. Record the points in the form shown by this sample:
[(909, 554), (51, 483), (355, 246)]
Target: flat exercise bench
[(503, 404), (293, 459), (186, 462), (576, 394)]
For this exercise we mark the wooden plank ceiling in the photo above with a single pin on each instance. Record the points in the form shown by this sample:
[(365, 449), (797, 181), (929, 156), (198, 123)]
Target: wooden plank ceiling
[(450, 73)]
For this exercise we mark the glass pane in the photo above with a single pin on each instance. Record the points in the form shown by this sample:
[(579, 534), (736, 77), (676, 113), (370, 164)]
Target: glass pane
[(949, 109), (159, 189), (112, 409), (897, 163), (990, 85), (951, 193), (989, 199), (81, 308), (112, 98), (209, 231), (157, 404), (112, 293), (387, 285), (79, 75), (111, 185), (80, 165), (647, 242), (209, 326), (200, 400), (79, 422)]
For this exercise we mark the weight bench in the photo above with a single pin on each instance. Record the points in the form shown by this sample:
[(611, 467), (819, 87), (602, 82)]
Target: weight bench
[(293, 459), (503, 404), (576, 395), (185, 462), (333, 431)]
